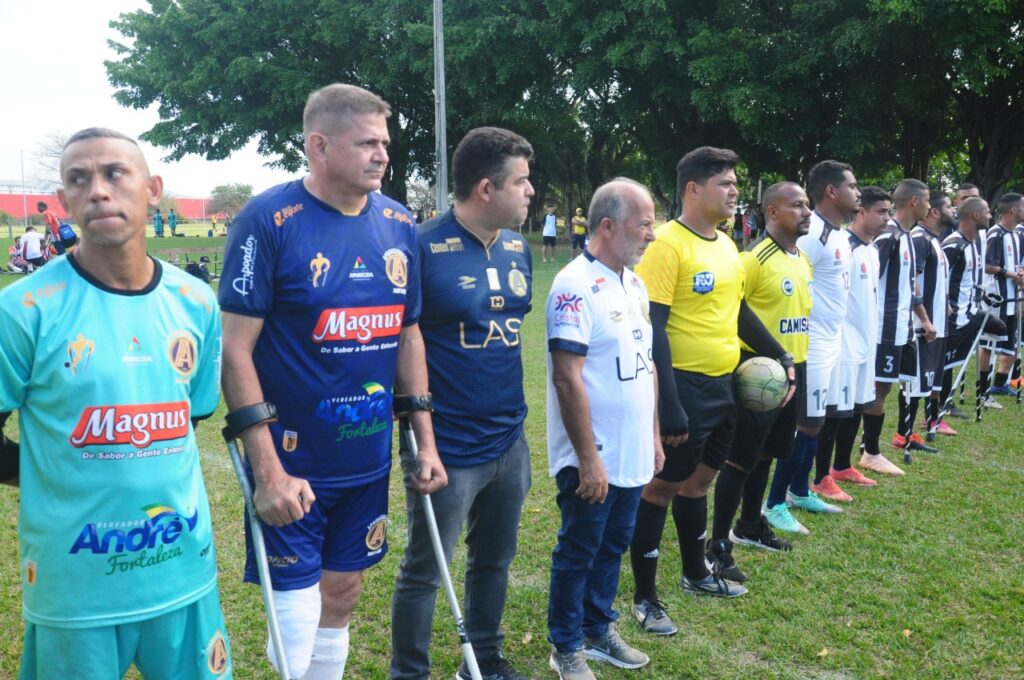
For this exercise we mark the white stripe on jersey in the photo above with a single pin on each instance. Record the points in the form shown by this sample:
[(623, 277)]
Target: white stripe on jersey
[(1002, 250), (935, 278), (860, 328), (896, 269), (965, 274), (828, 248)]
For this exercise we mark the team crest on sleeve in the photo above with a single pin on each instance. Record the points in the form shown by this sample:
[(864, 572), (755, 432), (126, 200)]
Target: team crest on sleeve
[(318, 268), (181, 351), (787, 286), (289, 440), (30, 572), (703, 282), (396, 266), (80, 351), (376, 534), (517, 281), (217, 654)]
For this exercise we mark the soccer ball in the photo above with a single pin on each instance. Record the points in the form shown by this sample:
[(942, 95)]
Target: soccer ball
[(761, 384)]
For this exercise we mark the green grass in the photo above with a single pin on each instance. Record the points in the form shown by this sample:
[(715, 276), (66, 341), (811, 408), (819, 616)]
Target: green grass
[(921, 577)]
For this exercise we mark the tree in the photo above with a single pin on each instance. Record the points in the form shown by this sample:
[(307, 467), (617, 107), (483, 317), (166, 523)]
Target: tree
[(228, 198), (47, 160)]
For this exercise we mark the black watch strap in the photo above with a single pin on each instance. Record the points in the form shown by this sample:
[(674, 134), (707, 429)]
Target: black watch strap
[(406, 403), (240, 420)]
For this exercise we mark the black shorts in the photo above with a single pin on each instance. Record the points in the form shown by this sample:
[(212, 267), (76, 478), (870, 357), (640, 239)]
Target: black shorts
[(895, 362), (37, 262), (549, 240), (1004, 343), (579, 241), (769, 434), (710, 404), (961, 341), (930, 364)]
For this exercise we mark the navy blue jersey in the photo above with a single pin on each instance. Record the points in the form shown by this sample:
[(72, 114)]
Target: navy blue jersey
[(474, 301), (334, 292)]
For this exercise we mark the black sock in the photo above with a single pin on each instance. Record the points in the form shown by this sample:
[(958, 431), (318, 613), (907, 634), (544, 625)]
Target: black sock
[(947, 386), (826, 442), (915, 403), (643, 551), (983, 381), (753, 493), (728, 492), (901, 417), (691, 516), (872, 431), (932, 409), (1001, 378), (845, 437)]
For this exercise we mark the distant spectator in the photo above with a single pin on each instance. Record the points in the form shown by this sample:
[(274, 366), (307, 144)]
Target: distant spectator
[(15, 262), (52, 224), (549, 235), (32, 248), (158, 223), (213, 224), (737, 229), (172, 222), (578, 228)]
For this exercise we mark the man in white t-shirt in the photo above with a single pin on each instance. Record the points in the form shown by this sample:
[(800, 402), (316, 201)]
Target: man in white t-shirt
[(32, 248), (603, 440), (550, 235)]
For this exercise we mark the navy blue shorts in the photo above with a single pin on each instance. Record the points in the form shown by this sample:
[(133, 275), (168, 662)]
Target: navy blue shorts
[(345, 530)]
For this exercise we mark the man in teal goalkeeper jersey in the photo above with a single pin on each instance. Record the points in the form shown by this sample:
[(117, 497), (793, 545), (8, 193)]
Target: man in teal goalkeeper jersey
[(110, 357)]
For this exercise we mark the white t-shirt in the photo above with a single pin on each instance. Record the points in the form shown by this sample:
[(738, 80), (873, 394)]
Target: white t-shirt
[(31, 245), (828, 248), (592, 313), (550, 226), (860, 328)]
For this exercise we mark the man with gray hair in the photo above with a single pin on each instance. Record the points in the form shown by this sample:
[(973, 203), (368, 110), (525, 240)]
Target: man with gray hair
[(320, 292), (603, 437)]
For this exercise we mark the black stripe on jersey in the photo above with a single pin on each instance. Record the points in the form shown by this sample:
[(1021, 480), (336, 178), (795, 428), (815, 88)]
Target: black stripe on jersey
[(769, 250), (890, 267), (922, 239), (955, 247)]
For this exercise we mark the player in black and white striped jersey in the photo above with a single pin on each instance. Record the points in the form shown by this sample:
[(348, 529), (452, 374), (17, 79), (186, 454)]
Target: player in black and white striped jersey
[(1003, 265)]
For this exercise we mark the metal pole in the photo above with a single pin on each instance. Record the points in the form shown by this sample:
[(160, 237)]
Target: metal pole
[(440, 114), (24, 198)]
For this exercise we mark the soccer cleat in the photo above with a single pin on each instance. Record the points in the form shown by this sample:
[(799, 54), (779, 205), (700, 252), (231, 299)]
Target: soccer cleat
[(944, 428), (915, 443), (1002, 391), (955, 412), (990, 402), (811, 503), (653, 618), (1016, 383), (722, 564), (899, 441), (571, 665), (879, 463), (709, 585), (851, 475), (760, 536), (612, 648), (495, 668), (782, 519), (827, 488)]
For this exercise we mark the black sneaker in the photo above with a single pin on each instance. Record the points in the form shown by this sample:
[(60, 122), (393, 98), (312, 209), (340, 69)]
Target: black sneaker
[(722, 564), (759, 536), (495, 668), (955, 412)]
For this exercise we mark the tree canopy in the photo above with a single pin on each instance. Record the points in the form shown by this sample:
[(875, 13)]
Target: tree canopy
[(921, 88)]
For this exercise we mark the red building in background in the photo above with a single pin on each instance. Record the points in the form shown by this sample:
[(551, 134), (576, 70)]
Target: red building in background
[(190, 209)]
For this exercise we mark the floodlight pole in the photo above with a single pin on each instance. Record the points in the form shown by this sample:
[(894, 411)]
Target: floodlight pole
[(440, 115), (24, 198)]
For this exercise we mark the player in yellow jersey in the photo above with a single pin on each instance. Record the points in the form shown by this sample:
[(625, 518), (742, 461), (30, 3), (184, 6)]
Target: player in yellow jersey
[(695, 282), (778, 290)]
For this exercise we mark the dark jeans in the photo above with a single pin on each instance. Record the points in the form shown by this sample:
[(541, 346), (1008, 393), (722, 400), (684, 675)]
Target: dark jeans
[(585, 563), (489, 498)]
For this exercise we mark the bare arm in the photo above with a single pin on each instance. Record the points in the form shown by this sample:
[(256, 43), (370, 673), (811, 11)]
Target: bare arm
[(574, 407), (279, 498), (411, 378)]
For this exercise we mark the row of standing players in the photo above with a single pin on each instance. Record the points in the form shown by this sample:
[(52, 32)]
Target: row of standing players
[(325, 326)]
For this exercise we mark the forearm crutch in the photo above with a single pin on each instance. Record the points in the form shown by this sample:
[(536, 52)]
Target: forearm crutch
[(238, 422), (403, 406), (961, 376)]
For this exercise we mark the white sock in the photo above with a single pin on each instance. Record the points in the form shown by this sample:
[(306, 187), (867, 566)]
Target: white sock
[(330, 652), (298, 612)]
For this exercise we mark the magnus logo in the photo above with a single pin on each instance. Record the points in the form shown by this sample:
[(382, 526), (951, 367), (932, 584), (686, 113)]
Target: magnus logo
[(243, 284), (361, 324), (158, 531), (135, 424)]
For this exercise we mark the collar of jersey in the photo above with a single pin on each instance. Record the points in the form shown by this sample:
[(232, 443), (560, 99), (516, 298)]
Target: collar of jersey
[(330, 208), (593, 260), (687, 228), (92, 280)]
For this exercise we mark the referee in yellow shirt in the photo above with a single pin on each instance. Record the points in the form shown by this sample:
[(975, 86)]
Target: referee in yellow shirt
[(696, 285)]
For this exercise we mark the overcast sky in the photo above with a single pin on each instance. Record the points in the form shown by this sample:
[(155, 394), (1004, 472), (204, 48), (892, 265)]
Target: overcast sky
[(54, 83)]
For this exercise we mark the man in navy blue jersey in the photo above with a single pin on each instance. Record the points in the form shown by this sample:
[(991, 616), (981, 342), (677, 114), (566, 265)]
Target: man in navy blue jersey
[(476, 285), (321, 298)]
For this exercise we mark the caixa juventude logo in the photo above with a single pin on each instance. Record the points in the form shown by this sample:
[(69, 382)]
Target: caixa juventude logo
[(136, 424), (152, 538)]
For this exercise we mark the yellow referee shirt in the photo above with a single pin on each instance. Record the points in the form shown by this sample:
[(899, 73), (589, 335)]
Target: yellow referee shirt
[(778, 290), (701, 281)]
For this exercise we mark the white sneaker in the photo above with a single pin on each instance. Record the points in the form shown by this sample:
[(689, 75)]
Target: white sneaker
[(990, 402)]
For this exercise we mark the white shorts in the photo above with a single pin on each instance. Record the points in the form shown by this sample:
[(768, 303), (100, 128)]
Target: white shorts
[(856, 388), (822, 382)]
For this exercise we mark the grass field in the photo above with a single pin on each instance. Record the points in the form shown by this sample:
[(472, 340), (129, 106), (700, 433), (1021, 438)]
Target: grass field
[(920, 578)]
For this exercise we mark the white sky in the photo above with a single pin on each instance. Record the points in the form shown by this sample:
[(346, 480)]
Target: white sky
[(51, 60)]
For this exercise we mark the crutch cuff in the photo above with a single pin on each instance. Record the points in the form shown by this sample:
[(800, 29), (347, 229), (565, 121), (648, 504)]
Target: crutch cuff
[(241, 419)]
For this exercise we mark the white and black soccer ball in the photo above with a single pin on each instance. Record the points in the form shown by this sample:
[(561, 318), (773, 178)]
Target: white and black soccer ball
[(761, 384)]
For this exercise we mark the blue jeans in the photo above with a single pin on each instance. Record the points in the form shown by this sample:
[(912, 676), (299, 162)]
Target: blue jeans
[(585, 563), (489, 498)]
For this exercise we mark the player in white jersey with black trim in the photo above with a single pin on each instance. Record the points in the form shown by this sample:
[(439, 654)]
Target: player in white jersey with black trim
[(933, 283), (833, 188), (860, 337), (898, 299), (1003, 265)]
